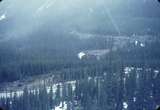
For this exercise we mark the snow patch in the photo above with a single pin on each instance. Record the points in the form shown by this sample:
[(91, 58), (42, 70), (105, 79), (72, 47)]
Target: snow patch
[(136, 42), (142, 45), (62, 106), (125, 105), (134, 99), (89, 78), (11, 94), (81, 55), (18, 93), (2, 17), (156, 72), (127, 70)]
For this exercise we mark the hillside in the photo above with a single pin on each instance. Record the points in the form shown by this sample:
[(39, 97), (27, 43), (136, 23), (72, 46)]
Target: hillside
[(79, 54)]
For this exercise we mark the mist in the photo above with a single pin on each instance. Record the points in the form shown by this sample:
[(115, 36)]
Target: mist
[(20, 18), (79, 54)]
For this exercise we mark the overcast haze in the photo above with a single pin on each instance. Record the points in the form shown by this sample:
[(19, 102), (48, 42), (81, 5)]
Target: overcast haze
[(79, 54), (24, 17)]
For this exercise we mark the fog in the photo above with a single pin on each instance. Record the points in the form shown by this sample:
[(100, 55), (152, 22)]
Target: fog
[(20, 18), (79, 54)]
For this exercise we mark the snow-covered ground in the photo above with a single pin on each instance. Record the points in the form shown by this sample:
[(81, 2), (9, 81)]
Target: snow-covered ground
[(62, 106), (93, 53), (18, 93), (2, 17), (11, 94), (127, 72), (125, 105)]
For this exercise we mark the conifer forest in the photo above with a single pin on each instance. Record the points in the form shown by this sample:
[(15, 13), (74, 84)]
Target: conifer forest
[(79, 55)]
